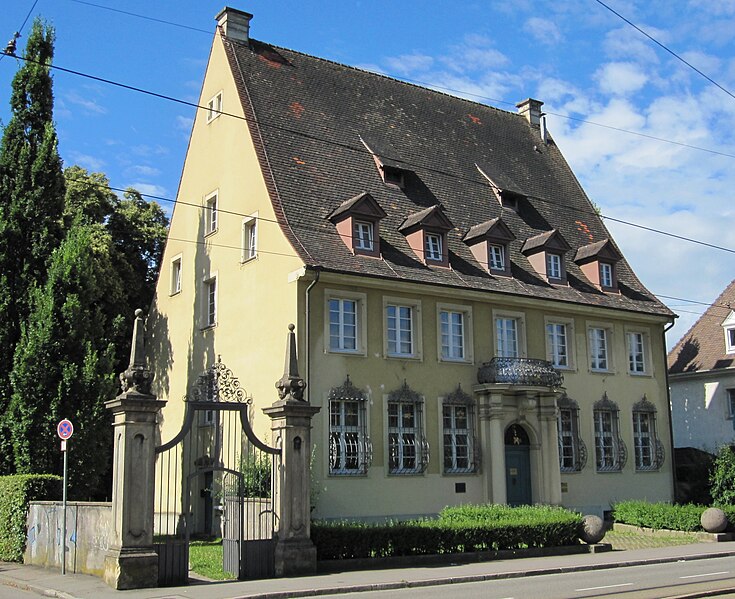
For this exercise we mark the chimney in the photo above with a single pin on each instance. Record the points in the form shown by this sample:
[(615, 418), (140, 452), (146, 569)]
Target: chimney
[(531, 109), (235, 24)]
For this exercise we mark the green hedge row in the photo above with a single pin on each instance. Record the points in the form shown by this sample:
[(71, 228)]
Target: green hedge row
[(664, 516), (456, 530), (16, 492)]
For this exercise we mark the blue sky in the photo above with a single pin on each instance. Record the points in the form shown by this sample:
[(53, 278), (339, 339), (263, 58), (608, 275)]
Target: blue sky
[(582, 61)]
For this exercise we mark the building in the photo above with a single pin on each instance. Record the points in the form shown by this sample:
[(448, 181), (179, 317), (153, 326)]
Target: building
[(702, 379), (466, 323)]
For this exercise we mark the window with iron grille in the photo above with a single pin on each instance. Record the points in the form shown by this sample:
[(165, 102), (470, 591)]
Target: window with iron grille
[(408, 452), (648, 448), (572, 450), (350, 450), (609, 448), (458, 423)]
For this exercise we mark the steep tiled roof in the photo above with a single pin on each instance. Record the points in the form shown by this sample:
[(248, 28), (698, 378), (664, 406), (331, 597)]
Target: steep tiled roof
[(309, 116), (703, 346)]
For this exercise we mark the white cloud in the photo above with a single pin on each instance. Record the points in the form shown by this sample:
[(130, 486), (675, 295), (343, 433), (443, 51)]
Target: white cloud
[(84, 102), (543, 30), (149, 189), (149, 150), (409, 63), (91, 163), (143, 170), (625, 43), (184, 123), (620, 78)]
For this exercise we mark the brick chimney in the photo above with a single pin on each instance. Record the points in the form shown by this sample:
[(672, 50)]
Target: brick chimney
[(531, 109), (235, 24)]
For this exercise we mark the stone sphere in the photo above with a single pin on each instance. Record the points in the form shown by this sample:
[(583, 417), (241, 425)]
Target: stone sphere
[(593, 529), (713, 520)]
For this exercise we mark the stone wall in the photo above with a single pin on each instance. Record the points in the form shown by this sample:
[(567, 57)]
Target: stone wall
[(87, 535)]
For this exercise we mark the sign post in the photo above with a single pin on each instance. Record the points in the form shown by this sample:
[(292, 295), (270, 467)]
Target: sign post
[(65, 429)]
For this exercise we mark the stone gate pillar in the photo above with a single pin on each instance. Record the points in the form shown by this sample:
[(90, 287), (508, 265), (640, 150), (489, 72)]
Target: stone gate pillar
[(291, 425), (131, 561)]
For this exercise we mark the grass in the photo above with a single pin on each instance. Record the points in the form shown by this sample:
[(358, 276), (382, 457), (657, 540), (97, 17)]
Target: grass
[(205, 558), (621, 540)]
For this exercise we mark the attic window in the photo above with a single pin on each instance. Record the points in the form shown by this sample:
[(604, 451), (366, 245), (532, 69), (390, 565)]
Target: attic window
[(363, 236), (545, 252), (553, 266), (426, 234), (357, 221), (488, 242), (433, 247), (606, 274), (214, 107), (392, 176), (496, 257), (598, 262), (729, 328), (509, 201), (391, 169)]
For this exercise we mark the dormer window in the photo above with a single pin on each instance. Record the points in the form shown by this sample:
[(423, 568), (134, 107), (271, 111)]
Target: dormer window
[(598, 263), (729, 327), (426, 233), (392, 176), (433, 247), (506, 192), (357, 222), (391, 169), (545, 252), (488, 242)]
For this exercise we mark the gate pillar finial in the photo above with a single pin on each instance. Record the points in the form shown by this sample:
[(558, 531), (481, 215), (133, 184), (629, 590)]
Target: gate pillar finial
[(291, 424), (131, 562)]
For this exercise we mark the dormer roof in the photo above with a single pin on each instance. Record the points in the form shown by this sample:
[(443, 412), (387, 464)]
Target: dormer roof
[(362, 204), (384, 152), (548, 240), (494, 229), (430, 218), (600, 250)]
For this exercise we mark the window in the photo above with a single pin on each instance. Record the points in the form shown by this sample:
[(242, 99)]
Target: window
[(249, 238), (497, 257), (572, 450), (210, 296), (648, 449), (407, 448), (606, 274), (730, 340), (402, 328), (363, 235), (553, 266), (506, 332), (598, 340), (176, 275), (210, 213), (731, 403), (636, 353), (433, 247), (214, 107), (458, 415), (557, 344), (350, 449), (609, 449), (393, 176), (345, 315), (452, 330)]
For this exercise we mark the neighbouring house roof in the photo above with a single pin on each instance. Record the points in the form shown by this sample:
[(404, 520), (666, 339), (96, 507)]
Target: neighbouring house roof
[(308, 118), (702, 348)]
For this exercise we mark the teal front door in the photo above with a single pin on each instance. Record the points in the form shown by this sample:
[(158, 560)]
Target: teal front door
[(517, 466)]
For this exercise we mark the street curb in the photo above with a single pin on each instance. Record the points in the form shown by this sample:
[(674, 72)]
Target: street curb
[(32, 588)]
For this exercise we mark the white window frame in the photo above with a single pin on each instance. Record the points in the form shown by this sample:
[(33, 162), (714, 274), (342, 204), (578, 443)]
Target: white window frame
[(450, 436), (214, 107), (360, 300), (467, 335), (211, 212), (638, 360), (249, 250), (644, 442), (595, 359), (398, 437), (177, 270), (351, 440), (363, 232), (552, 352), (606, 275), (569, 437), (496, 256), (553, 266), (433, 246), (728, 328), (414, 306), (499, 333), (607, 447), (210, 303)]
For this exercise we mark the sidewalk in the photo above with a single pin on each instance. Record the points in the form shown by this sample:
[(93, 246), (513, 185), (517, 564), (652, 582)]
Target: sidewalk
[(51, 583)]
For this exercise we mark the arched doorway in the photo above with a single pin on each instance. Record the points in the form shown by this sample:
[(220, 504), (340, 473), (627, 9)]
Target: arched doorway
[(517, 465)]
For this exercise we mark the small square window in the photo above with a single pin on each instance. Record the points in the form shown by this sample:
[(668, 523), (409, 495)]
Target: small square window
[(249, 239), (433, 247), (606, 274), (363, 236), (497, 257), (393, 176), (214, 107), (210, 214), (553, 266), (176, 275)]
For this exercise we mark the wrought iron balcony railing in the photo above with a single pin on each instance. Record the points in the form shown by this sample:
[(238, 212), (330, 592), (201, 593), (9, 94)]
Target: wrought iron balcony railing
[(520, 371)]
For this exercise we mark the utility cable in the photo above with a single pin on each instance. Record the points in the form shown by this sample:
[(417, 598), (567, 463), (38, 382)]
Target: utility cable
[(20, 29)]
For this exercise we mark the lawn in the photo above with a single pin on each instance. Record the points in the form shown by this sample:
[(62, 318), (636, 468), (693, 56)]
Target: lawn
[(205, 558)]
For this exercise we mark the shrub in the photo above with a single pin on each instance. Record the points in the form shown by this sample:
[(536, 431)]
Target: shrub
[(456, 530), (659, 515), (16, 492), (722, 477)]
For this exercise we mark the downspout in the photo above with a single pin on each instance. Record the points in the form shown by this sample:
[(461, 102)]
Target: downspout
[(668, 406), (317, 271)]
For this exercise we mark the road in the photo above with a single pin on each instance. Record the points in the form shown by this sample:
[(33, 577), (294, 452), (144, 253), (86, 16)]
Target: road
[(13, 593), (635, 582)]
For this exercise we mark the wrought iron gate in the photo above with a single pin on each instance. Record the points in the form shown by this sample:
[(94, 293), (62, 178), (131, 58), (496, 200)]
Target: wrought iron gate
[(215, 478)]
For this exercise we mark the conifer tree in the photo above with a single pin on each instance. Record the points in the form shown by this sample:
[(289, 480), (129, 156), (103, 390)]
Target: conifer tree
[(31, 203)]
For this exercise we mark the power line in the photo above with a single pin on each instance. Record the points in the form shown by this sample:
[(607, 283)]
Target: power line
[(662, 46), (20, 29)]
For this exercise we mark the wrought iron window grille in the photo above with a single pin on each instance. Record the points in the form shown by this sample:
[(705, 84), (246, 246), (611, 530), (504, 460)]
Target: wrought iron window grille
[(350, 447), (461, 449)]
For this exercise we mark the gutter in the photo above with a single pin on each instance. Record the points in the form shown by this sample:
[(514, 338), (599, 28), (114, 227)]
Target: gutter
[(668, 406), (307, 333)]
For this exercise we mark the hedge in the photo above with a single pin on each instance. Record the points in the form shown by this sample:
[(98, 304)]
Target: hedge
[(456, 530), (664, 516), (16, 492)]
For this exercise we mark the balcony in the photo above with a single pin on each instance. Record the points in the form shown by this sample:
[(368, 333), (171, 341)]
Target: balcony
[(520, 371)]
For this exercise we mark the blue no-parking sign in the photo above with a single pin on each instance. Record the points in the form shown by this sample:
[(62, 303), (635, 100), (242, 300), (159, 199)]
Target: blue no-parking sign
[(65, 429)]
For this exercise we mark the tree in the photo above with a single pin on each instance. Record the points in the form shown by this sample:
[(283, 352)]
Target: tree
[(31, 203), (722, 477)]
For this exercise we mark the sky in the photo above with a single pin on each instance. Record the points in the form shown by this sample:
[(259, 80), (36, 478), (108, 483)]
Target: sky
[(650, 139)]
